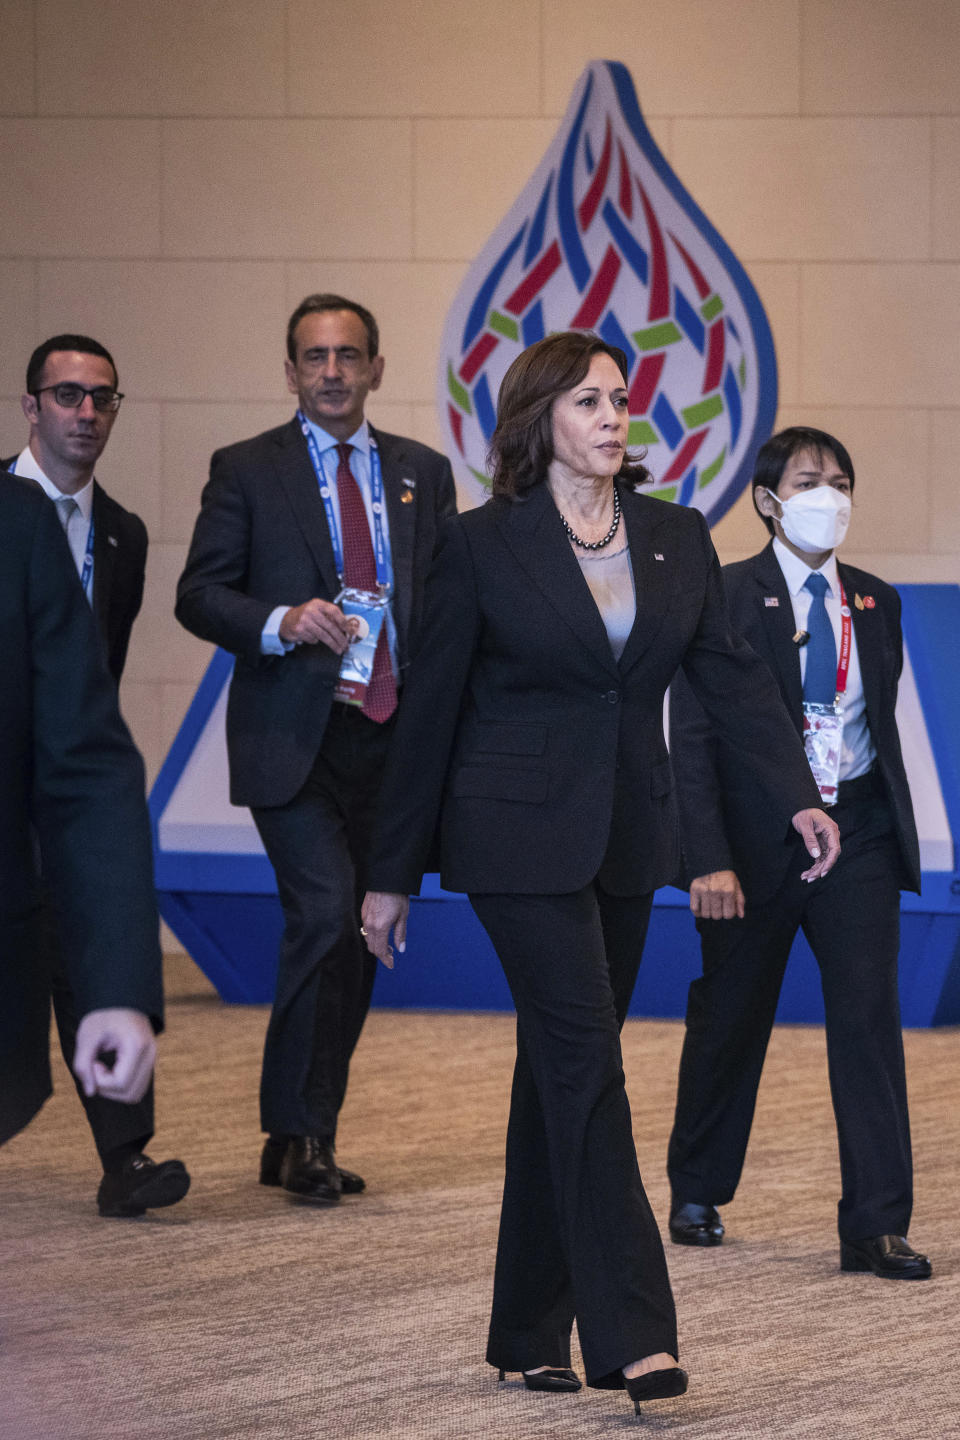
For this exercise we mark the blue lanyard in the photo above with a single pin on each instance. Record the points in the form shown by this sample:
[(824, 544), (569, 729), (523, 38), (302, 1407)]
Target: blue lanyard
[(87, 569), (381, 558)]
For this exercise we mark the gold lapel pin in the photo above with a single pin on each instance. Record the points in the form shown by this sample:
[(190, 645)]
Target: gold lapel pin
[(858, 602)]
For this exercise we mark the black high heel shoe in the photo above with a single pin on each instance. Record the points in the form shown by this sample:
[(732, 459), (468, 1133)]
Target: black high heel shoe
[(558, 1382), (656, 1385)]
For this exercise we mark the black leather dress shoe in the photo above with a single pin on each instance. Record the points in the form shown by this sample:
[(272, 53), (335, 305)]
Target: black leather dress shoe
[(271, 1158), (692, 1224), (142, 1185), (309, 1171), (886, 1255), (553, 1382)]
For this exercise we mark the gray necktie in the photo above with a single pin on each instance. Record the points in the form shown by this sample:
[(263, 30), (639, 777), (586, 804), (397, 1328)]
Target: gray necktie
[(71, 518)]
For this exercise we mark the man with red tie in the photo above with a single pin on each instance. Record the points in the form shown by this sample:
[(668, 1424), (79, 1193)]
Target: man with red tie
[(307, 562)]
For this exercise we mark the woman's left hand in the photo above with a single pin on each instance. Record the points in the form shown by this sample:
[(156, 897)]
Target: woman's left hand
[(382, 912), (822, 838)]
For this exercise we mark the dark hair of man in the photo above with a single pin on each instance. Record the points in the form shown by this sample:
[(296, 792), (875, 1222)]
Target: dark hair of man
[(81, 343), (317, 305), (521, 448), (775, 453)]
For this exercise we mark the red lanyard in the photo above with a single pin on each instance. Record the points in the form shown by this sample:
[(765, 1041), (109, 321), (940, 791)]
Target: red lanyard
[(846, 640)]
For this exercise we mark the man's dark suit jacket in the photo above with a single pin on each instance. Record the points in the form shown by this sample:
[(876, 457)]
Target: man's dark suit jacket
[(723, 828), (543, 755), (262, 540), (71, 771), (119, 565)]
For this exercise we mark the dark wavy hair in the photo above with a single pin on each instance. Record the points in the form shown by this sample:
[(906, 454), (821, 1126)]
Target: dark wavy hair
[(521, 447), (773, 455)]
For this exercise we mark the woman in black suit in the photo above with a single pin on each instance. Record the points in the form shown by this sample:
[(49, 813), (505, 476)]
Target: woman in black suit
[(555, 617)]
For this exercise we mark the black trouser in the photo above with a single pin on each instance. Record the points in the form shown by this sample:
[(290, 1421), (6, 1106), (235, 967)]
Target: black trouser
[(852, 922), (115, 1126), (577, 1236), (317, 845)]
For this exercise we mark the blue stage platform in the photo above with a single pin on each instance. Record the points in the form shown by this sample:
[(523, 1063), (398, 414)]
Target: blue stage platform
[(218, 895)]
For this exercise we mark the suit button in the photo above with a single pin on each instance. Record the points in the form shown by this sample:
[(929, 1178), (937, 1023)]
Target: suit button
[(612, 697)]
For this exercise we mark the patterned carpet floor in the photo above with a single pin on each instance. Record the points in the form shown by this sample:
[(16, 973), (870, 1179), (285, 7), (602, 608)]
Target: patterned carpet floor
[(240, 1315)]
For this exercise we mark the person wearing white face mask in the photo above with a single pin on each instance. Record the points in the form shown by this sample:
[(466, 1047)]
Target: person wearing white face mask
[(831, 636)]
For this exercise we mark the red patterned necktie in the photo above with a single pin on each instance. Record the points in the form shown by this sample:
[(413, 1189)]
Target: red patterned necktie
[(360, 573)]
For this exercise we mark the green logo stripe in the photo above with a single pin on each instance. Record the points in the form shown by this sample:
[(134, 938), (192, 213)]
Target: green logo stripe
[(457, 391), (703, 411), (712, 469), (656, 336), (503, 325), (711, 307), (641, 432)]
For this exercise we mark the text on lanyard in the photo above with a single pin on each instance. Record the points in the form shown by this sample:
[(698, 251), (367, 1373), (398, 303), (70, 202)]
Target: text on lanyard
[(384, 575)]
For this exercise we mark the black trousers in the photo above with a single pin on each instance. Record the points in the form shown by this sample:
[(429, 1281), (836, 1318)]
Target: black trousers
[(317, 845), (577, 1236), (113, 1124), (852, 922)]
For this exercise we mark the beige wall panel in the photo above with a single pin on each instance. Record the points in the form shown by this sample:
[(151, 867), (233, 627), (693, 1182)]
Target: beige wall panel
[(946, 189), (414, 57), (129, 468), (410, 302), (17, 324), (885, 334), (906, 567), (140, 706), (687, 57), (175, 701), (778, 286), (191, 433), (811, 189), (944, 535), (425, 427), (13, 428), (889, 450), (397, 419), (740, 532), (277, 188), (17, 95), (56, 169), (467, 175), (99, 57), (222, 57), (881, 57), (180, 330), (161, 649)]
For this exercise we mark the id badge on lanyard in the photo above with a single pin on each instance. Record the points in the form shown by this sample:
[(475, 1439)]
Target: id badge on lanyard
[(823, 724)]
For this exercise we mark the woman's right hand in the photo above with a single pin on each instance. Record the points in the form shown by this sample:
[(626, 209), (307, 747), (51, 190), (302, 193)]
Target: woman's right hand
[(382, 912)]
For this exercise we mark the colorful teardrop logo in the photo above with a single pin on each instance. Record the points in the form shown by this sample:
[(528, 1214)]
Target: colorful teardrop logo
[(604, 237)]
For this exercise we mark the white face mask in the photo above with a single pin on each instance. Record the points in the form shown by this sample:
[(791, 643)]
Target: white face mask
[(815, 520)]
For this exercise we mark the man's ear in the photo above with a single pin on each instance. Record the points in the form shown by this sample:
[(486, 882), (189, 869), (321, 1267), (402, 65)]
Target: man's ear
[(766, 503), (29, 406), (376, 365)]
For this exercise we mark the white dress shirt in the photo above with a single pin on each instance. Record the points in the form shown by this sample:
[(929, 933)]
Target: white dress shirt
[(858, 752), (26, 465)]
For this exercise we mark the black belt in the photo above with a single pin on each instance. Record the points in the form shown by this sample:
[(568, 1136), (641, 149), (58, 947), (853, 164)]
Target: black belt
[(861, 786)]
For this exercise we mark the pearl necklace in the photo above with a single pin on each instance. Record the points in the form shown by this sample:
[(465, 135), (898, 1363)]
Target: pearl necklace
[(597, 544)]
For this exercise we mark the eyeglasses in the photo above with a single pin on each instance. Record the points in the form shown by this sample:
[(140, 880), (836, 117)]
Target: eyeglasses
[(71, 397)]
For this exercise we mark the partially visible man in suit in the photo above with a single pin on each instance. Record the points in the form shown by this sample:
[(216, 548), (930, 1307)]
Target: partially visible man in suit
[(309, 537), (831, 636), (71, 775), (71, 403)]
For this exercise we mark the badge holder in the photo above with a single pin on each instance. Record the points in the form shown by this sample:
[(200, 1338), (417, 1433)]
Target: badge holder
[(823, 740), (356, 665)]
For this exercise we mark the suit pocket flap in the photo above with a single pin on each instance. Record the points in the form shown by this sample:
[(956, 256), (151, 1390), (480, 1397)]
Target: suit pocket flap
[(661, 780), (492, 738), (483, 783)]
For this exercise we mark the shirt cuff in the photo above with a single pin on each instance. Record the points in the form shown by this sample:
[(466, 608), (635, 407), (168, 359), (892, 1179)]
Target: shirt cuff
[(270, 641)]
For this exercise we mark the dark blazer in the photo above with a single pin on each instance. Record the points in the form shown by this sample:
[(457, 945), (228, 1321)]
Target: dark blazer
[(543, 755), (722, 826), (262, 540), (71, 771), (119, 566)]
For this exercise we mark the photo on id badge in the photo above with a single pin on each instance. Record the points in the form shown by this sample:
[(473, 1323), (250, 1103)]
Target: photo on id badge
[(356, 667)]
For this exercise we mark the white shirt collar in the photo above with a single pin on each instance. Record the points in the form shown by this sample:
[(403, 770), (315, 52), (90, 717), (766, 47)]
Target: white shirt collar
[(27, 466), (796, 571), (360, 439)]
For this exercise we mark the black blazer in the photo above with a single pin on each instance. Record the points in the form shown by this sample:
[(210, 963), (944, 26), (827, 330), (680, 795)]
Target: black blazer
[(70, 770), (722, 826), (545, 758), (262, 540), (119, 567)]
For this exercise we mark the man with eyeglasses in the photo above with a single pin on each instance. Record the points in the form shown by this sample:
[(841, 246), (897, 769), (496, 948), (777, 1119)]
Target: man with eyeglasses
[(309, 537), (71, 404)]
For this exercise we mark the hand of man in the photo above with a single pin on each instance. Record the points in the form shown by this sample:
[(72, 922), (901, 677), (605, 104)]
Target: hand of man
[(317, 622), (717, 896), (822, 839), (128, 1035), (381, 913)]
